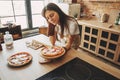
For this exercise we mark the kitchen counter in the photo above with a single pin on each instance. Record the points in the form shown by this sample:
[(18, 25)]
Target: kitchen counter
[(96, 23), (34, 70)]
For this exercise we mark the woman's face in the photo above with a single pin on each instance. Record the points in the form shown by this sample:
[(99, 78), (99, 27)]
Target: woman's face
[(52, 17)]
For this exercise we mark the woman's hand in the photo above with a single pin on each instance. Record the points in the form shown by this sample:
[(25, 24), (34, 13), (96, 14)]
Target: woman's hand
[(53, 39)]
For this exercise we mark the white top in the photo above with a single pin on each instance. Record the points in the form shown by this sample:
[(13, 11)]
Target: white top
[(73, 30)]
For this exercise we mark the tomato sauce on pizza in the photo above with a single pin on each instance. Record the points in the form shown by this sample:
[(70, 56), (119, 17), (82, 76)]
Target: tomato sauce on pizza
[(51, 52), (19, 59)]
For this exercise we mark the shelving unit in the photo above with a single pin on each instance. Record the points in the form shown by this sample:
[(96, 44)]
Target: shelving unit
[(102, 42)]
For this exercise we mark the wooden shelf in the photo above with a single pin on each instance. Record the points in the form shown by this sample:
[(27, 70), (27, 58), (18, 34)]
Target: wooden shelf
[(102, 42)]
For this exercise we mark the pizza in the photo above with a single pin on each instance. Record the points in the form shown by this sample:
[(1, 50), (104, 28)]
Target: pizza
[(19, 59), (35, 44), (54, 51)]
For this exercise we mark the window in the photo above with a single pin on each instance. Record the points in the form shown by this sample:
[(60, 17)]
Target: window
[(27, 13), (14, 12), (36, 7)]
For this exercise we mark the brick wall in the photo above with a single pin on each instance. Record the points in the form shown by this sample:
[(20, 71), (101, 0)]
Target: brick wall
[(97, 8)]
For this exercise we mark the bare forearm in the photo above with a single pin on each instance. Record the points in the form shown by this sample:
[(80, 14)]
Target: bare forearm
[(52, 39), (69, 42)]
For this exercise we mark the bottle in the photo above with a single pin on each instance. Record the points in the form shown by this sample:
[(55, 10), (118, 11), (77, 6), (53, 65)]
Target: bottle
[(8, 40), (117, 20), (0, 47)]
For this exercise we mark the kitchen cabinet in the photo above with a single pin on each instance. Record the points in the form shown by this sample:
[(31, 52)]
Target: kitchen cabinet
[(90, 38), (103, 42), (15, 31)]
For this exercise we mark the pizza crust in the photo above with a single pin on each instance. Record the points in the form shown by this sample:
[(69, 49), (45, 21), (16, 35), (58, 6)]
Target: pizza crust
[(19, 59)]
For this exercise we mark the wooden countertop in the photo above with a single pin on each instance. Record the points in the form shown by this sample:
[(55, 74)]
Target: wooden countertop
[(96, 23), (34, 70)]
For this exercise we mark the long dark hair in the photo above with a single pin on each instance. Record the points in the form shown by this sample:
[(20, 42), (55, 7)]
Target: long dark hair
[(62, 16)]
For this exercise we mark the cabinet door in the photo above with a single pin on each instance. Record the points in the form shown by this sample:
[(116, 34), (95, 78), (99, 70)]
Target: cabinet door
[(90, 38), (108, 44), (117, 57)]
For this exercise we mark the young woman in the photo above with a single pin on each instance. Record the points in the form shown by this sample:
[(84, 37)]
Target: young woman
[(61, 27)]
